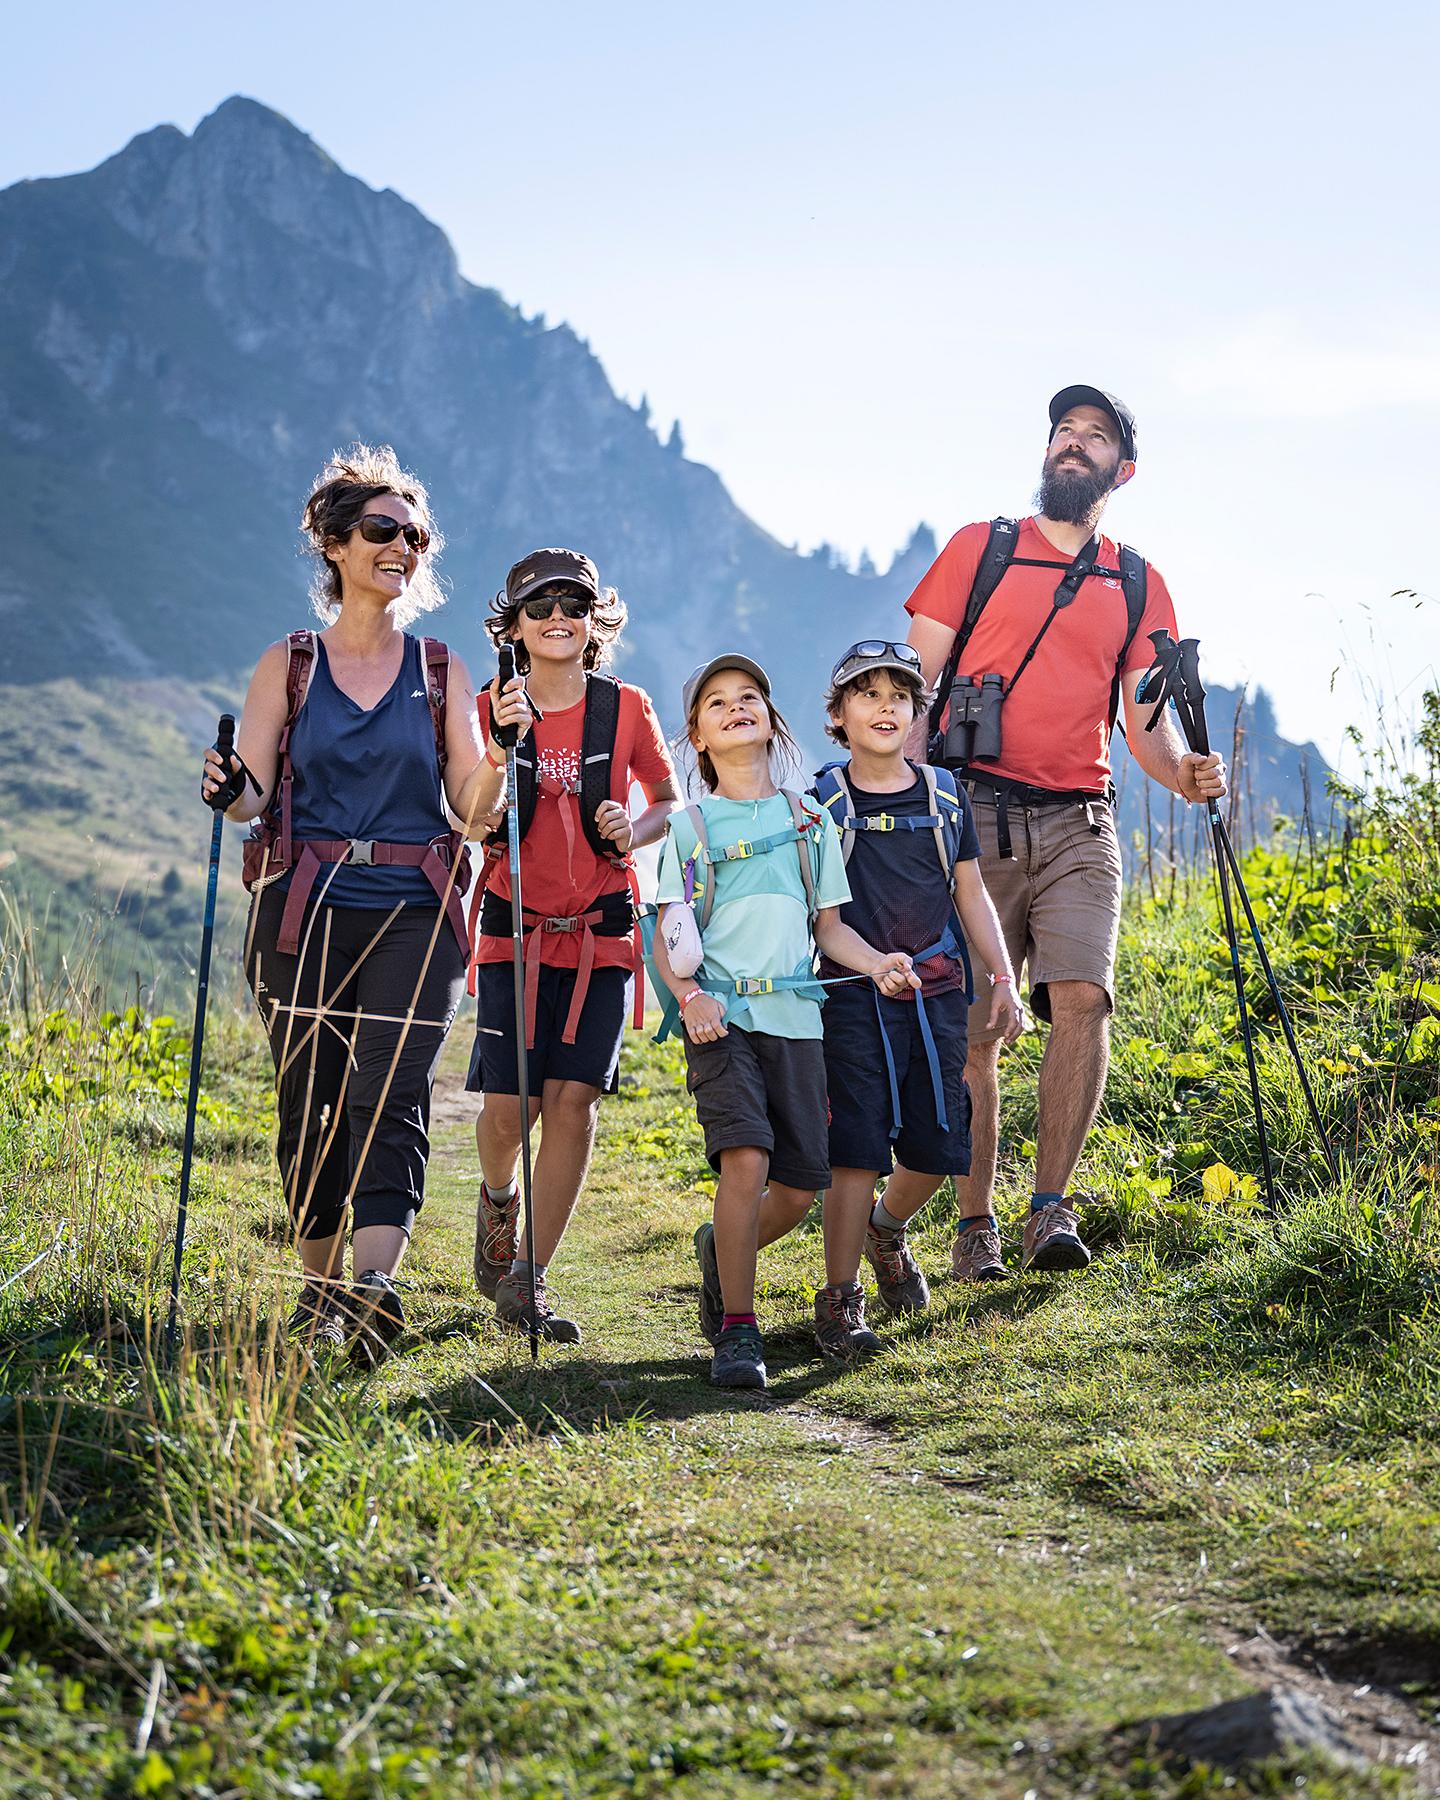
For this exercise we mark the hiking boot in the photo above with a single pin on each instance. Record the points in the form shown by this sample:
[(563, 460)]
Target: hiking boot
[(376, 1317), (521, 1300), (840, 1328), (712, 1301), (1052, 1240), (902, 1285), (976, 1256), (318, 1320), (497, 1226), (739, 1360)]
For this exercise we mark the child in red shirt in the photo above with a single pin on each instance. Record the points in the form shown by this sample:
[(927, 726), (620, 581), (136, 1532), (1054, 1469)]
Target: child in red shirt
[(584, 741)]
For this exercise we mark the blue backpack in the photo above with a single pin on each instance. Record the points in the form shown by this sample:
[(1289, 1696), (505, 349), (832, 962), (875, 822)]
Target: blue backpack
[(945, 818)]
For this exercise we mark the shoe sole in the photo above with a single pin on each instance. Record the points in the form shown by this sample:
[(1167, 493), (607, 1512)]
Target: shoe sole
[(748, 1379), (906, 1306), (869, 1352), (1059, 1256), (992, 1272), (709, 1329), (544, 1336)]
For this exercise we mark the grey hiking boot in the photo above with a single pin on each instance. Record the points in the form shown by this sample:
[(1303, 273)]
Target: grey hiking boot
[(739, 1360), (1053, 1241), (318, 1320), (497, 1225), (977, 1255), (519, 1299), (376, 1317), (840, 1328), (712, 1301), (902, 1286)]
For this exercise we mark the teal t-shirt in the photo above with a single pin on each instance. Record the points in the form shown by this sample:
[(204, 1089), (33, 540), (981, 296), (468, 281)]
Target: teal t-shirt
[(760, 924)]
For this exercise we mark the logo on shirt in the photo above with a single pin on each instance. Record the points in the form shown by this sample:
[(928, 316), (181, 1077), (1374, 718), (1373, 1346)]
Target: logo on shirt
[(559, 770)]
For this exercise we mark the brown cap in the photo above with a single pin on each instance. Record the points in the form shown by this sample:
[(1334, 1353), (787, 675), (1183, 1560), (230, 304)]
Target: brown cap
[(546, 568)]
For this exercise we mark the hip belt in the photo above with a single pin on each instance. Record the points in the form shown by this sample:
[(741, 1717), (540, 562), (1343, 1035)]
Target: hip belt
[(997, 791), (435, 861)]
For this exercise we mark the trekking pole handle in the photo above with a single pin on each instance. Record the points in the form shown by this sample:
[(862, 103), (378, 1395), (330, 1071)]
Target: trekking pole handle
[(1188, 657), (225, 738)]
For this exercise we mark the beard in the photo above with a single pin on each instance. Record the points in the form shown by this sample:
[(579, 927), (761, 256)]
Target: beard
[(1070, 494)]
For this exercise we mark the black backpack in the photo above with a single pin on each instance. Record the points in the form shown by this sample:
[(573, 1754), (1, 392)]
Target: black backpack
[(597, 753), (998, 556)]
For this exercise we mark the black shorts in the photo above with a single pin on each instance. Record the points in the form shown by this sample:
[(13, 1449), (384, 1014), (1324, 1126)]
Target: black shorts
[(593, 1058), (861, 1112), (754, 1089)]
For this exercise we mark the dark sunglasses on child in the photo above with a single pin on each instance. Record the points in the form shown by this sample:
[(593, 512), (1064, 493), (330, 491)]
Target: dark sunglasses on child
[(380, 528), (572, 606), (870, 648)]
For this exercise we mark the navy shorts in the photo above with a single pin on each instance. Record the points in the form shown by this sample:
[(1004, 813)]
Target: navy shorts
[(753, 1089), (861, 1114), (593, 1058)]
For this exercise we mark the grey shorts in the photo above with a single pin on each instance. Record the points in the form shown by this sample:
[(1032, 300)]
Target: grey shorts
[(754, 1089), (1058, 899)]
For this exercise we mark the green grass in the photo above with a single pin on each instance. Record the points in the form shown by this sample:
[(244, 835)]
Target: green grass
[(969, 1568)]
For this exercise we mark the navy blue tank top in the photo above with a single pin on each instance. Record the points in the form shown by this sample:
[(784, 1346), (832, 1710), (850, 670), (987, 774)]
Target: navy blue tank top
[(373, 774)]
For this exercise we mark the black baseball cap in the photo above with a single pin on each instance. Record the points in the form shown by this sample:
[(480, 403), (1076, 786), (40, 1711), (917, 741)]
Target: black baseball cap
[(544, 568), (1081, 395)]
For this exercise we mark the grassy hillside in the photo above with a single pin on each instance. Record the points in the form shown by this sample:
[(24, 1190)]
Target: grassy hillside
[(1058, 1508)]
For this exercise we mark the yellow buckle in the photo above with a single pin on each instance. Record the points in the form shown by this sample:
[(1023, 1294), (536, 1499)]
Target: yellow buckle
[(754, 984), (882, 821), (743, 849)]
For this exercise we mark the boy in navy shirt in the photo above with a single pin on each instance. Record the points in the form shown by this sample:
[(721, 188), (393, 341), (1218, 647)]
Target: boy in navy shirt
[(896, 1068)]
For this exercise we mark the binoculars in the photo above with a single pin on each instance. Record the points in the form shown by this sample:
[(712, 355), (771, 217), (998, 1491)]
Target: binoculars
[(972, 733)]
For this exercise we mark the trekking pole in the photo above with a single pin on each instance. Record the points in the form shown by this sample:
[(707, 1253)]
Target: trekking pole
[(509, 736), (1170, 659), (1189, 675), (225, 746)]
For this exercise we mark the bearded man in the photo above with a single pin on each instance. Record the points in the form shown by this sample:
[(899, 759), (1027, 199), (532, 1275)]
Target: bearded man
[(1035, 633)]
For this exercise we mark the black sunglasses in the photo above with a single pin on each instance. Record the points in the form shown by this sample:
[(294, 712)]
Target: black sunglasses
[(380, 528), (872, 647), (573, 606)]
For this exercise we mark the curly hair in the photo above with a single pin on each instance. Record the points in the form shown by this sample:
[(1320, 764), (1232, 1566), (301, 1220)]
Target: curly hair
[(782, 752), (347, 484), (607, 620), (913, 685)]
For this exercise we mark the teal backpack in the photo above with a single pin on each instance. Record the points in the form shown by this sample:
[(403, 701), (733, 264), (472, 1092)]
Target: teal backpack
[(702, 863)]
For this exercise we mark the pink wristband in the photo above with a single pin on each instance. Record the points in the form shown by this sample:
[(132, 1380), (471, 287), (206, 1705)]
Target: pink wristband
[(694, 992)]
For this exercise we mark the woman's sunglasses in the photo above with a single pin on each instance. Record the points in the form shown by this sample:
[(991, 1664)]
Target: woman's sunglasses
[(380, 528), (573, 606), (869, 648)]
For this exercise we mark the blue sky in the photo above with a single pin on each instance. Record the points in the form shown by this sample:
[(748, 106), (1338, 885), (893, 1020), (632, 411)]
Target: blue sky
[(854, 248)]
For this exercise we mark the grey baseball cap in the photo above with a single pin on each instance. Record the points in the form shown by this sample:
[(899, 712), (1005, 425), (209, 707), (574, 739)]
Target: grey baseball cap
[(1082, 395), (733, 660)]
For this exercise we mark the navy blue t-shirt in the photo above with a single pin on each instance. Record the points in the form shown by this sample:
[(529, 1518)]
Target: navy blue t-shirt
[(900, 900)]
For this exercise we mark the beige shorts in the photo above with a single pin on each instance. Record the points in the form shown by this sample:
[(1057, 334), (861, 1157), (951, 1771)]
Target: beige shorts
[(1058, 899)]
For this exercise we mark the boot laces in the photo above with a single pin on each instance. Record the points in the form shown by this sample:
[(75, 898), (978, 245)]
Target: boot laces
[(890, 1254), (500, 1221)]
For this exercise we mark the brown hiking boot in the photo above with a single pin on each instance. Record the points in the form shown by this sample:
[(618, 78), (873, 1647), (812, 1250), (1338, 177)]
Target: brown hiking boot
[(902, 1286), (977, 1255), (840, 1328), (1052, 1240), (497, 1225), (319, 1318), (518, 1301)]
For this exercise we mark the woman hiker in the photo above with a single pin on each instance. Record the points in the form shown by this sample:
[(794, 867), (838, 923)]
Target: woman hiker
[(585, 740), (354, 742)]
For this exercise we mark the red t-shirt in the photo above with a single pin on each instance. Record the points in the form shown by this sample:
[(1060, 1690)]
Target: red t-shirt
[(561, 876), (1054, 726)]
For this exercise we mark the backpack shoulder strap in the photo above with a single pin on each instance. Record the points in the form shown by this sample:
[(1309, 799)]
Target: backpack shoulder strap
[(995, 559), (833, 792), (1134, 578), (807, 850), (597, 756), (702, 842), (298, 667), (437, 689)]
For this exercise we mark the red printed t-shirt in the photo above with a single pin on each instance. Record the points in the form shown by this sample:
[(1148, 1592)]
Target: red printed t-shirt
[(562, 880), (1054, 724)]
